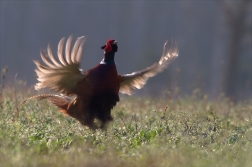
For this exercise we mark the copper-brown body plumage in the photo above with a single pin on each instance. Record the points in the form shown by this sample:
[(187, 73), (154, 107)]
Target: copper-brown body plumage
[(96, 90)]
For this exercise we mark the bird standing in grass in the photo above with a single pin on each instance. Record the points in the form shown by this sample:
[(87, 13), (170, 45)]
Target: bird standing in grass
[(96, 90)]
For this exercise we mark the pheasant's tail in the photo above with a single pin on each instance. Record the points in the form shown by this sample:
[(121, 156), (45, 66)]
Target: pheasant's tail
[(58, 100)]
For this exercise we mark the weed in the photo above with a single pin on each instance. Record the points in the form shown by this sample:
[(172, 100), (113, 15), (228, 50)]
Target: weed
[(145, 132)]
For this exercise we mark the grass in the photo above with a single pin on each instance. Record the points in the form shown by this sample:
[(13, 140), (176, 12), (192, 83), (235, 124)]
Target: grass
[(189, 131)]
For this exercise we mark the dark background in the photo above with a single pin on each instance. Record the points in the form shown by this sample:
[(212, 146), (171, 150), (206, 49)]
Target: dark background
[(214, 40)]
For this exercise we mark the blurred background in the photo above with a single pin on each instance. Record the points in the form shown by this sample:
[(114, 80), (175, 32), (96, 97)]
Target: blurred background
[(214, 40)]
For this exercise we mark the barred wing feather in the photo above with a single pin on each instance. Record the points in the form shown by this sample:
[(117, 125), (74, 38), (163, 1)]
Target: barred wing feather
[(138, 79), (61, 75)]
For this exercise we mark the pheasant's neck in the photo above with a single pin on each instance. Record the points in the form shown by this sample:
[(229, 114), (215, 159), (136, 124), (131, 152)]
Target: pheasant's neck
[(108, 58)]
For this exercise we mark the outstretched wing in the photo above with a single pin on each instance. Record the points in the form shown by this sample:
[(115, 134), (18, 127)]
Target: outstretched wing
[(138, 79), (61, 74)]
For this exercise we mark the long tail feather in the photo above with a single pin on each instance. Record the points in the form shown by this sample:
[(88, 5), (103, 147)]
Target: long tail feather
[(59, 100)]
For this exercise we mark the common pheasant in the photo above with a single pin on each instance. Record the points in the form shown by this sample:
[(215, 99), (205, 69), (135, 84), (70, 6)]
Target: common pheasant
[(91, 95)]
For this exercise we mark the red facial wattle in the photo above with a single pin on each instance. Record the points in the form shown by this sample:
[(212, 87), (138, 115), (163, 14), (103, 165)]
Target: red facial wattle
[(108, 47)]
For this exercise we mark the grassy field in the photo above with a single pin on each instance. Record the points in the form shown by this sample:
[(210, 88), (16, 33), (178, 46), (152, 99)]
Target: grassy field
[(191, 131)]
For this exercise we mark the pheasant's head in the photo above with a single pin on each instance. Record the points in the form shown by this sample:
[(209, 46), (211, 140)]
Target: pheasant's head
[(111, 46)]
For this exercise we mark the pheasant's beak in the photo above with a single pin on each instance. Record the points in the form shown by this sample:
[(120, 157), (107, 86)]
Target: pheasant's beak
[(115, 42), (103, 47)]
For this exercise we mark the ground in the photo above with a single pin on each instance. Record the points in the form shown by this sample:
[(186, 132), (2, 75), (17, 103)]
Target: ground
[(164, 132)]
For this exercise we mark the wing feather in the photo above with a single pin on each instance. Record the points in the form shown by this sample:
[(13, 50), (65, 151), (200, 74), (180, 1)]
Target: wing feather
[(68, 50), (64, 74), (138, 79), (75, 50), (52, 57), (61, 52), (46, 59), (79, 52)]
